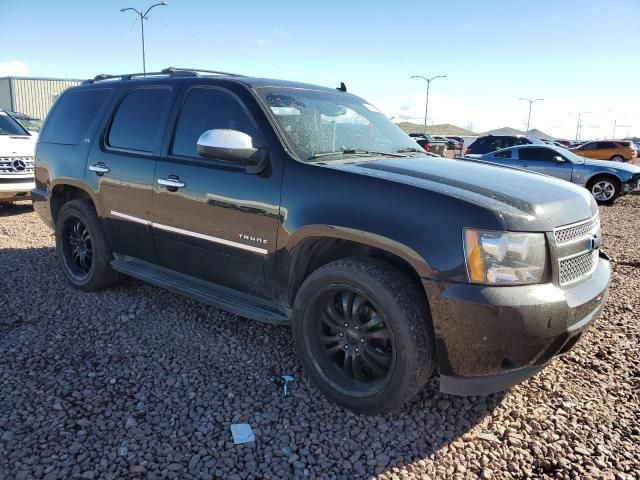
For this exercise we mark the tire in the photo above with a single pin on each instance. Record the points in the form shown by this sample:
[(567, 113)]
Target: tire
[(79, 236), (604, 189), (617, 158), (388, 335)]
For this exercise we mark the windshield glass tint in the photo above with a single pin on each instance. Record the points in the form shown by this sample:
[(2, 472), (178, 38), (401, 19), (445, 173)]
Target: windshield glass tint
[(319, 122), (568, 155), (8, 126)]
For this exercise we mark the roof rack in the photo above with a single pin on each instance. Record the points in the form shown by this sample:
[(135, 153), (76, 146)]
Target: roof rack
[(171, 71)]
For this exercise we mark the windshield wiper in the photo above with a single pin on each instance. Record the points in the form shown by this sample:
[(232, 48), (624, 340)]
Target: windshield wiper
[(355, 152)]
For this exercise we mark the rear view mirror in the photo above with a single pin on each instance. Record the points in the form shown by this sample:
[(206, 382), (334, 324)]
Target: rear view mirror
[(232, 146)]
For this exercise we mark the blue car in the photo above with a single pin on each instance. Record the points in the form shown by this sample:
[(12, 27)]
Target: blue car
[(604, 179)]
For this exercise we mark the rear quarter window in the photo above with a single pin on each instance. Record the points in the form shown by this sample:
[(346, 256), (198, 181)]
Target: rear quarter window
[(72, 115)]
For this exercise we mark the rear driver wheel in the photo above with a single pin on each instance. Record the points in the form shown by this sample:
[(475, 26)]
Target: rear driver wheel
[(617, 158), (82, 248), (361, 331)]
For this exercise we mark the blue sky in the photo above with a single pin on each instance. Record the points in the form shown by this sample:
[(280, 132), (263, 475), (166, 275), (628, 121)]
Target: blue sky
[(577, 55)]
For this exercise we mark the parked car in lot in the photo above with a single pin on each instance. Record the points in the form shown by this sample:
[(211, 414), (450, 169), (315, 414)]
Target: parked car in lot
[(298, 204), (615, 150), (32, 124), (430, 143), (16, 160), (605, 180), (459, 142), (491, 143)]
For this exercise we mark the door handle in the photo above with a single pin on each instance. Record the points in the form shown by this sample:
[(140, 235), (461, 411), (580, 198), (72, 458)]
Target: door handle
[(99, 168), (171, 182)]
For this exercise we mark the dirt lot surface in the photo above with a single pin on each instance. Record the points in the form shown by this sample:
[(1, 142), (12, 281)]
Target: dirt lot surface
[(136, 382)]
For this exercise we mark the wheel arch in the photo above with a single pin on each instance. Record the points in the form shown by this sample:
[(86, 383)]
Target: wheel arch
[(63, 192), (315, 246), (609, 175)]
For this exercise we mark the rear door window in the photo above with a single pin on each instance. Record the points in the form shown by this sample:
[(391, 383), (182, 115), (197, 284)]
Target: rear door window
[(72, 115), (136, 124)]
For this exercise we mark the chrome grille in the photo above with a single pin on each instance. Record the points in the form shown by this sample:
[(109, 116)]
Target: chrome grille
[(578, 267), (577, 231), (16, 165)]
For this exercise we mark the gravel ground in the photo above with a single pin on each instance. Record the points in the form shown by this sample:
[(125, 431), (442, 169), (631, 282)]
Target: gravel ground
[(136, 382)]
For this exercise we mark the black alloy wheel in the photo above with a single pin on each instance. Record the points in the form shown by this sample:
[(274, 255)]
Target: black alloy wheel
[(362, 331), (82, 248), (353, 340), (77, 247)]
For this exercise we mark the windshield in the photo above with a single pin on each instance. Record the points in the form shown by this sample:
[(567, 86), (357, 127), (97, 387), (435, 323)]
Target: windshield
[(8, 126), (333, 125), (572, 157)]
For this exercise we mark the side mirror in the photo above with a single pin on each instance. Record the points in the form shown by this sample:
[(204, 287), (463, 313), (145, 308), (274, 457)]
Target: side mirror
[(232, 146), (559, 159)]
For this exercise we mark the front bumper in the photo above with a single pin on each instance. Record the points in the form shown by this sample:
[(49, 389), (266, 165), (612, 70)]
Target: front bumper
[(16, 188), (490, 338)]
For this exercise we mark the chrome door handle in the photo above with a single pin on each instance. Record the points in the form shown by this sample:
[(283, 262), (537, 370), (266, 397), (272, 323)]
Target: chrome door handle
[(99, 168), (171, 182)]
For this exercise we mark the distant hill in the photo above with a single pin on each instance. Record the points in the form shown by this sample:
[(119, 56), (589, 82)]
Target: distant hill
[(442, 129), (534, 132)]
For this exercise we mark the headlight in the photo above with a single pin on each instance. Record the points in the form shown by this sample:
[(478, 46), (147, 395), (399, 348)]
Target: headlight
[(504, 257)]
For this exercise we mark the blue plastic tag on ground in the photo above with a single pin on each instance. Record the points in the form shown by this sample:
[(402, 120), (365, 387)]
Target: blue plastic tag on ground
[(242, 433)]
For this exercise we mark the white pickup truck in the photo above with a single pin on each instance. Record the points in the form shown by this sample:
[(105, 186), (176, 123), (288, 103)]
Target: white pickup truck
[(17, 147)]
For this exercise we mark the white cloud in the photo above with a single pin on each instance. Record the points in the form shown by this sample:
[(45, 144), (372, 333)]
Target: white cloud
[(13, 68), (557, 117)]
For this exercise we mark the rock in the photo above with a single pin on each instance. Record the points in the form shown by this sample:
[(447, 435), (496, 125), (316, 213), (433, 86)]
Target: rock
[(138, 470)]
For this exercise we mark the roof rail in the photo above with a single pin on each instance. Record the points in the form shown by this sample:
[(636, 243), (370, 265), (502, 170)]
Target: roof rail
[(171, 71), (197, 70)]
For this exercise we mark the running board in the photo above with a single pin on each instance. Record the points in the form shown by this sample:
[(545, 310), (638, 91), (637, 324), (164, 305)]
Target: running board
[(205, 292)]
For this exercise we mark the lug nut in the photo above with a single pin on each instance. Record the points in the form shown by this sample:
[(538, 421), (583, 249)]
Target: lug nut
[(341, 334), (346, 347), (357, 350), (362, 340), (346, 324)]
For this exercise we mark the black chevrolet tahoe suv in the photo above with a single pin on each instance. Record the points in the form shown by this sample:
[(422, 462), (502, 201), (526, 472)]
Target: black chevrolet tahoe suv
[(303, 205)]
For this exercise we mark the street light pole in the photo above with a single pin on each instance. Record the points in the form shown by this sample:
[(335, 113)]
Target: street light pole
[(426, 106), (579, 125), (143, 17), (531, 102)]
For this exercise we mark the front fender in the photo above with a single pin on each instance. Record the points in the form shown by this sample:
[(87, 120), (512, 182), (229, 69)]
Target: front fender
[(413, 258)]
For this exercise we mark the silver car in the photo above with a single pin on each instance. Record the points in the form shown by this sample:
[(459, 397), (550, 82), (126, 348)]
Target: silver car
[(604, 179)]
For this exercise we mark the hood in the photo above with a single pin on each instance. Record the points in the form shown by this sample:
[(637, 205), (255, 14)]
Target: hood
[(625, 167), (17, 146), (522, 200)]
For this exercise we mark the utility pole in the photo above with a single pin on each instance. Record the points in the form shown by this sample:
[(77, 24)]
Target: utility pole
[(531, 102), (616, 126), (579, 125), (143, 17), (426, 106)]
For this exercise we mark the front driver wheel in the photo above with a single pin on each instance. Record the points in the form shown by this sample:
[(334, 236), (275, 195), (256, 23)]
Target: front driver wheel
[(361, 330), (81, 247)]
